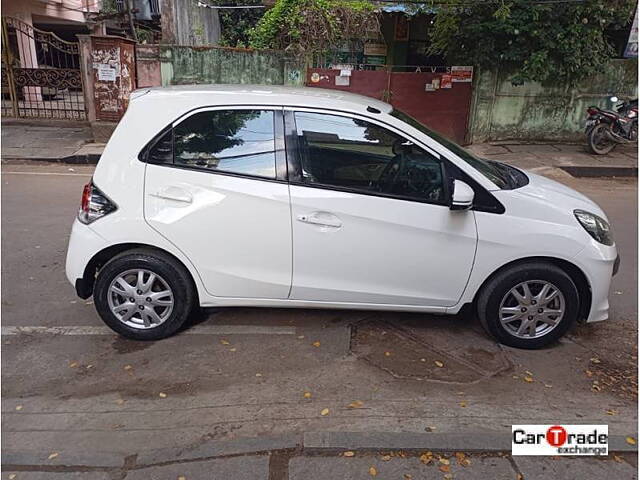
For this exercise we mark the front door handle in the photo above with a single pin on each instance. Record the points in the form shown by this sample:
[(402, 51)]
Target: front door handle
[(176, 194), (322, 219)]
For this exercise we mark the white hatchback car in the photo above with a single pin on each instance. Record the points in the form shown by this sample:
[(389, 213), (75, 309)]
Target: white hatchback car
[(293, 197)]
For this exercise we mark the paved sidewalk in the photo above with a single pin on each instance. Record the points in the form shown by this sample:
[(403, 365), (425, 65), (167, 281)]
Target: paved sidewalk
[(68, 144), (72, 144)]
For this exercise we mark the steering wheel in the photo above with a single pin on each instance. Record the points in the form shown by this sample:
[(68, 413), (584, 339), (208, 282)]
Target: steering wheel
[(394, 167)]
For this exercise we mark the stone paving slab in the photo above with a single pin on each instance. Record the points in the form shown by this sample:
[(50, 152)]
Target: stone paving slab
[(360, 468), (235, 468)]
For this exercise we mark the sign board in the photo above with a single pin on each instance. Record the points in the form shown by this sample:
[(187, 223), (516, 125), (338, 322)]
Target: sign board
[(375, 49), (106, 73), (461, 74), (445, 81), (631, 51)]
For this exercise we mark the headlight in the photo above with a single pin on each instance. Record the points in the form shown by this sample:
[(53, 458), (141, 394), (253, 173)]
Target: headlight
[(596, 226)]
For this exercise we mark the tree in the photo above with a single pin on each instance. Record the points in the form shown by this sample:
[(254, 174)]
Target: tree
[(305, 27), (535, 40)]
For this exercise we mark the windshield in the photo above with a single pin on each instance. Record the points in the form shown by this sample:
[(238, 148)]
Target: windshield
[(494, 171)]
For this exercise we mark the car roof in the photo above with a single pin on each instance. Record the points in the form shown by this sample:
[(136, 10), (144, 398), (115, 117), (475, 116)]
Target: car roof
[(211, 95)]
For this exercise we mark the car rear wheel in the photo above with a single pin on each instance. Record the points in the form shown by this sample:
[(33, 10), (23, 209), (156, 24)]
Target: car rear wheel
[(529, 305), (144, 295)]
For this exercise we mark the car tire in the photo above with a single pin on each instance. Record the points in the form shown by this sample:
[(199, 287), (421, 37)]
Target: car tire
[(154, 317), (498, 304)]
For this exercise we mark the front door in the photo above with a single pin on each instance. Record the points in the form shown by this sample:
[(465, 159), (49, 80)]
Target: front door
[(369, 216), (215, 187)]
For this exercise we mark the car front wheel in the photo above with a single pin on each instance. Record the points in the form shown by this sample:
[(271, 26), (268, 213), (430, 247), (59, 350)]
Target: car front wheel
[(529, 305), (144, 295)]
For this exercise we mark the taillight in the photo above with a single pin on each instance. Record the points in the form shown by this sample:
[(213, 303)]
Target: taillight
[(592, 111), (94, 205)]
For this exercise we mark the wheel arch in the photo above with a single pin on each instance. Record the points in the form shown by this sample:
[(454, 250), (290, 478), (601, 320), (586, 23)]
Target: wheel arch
[(576, 274), (85, 289)]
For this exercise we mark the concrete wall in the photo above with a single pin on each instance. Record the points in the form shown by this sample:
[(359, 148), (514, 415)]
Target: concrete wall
[(501, 111), (181, 65)]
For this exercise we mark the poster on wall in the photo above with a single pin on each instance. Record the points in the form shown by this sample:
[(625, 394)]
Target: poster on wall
[(445, 81), (631, 51), (461, 74)]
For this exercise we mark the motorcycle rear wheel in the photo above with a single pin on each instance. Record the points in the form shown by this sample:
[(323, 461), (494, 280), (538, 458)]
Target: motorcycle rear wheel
[(598, 140)]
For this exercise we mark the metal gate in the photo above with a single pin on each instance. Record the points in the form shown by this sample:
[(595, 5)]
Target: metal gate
[(444, 108), (40, 74)]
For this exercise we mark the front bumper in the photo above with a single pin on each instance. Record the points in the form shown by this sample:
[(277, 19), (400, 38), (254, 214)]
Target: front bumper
[(599, 263)]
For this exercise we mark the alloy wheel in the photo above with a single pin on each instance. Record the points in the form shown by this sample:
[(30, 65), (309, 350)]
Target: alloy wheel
[(140, 299)]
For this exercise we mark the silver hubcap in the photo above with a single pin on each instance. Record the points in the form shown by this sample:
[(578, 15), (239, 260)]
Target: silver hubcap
[(532, 309), (140, 299)]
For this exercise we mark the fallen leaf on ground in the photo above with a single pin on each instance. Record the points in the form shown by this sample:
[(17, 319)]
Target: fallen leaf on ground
[(316, 344), (89, 366), (306, 394), (385, 458), (439, 363), (444, 461), (372, 471), (423, 359), (120, 401), (387, 354), (408, 476), (426, 458), (519, 477), (548, 385), (356, 404), (595, 360), (528, 379), (595, 388), (611, 411), (53, 455), (162, 395), (232, 349), (463, 404), (258, 374), (182, 477), (631, 440), (444, 468), (12, 476), (224, 342), (324, 412), (617, 458), (128, 367), (73, 364), (18, 407), (300, 337), (348, 453), (460, 456), (448, 476)]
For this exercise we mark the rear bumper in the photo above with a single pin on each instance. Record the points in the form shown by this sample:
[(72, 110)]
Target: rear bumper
[(84, 243)]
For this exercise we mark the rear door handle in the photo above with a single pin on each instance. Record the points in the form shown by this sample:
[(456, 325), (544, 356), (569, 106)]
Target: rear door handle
[(177, 194), (322, 219)]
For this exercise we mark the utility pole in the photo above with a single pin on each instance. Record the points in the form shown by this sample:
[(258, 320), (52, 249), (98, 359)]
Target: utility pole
[(131, 24)]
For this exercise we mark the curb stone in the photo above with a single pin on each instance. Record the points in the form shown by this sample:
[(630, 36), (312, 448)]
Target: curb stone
[(308, 442)]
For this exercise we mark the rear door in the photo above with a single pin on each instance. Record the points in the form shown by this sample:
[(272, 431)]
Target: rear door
[(215, 186), (371, 224)]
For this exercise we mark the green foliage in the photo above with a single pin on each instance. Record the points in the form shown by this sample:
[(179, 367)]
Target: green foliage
[(236, 24), (537, 41), (313, 26)]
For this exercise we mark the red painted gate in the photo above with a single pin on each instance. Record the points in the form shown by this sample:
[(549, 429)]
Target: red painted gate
[(445, 110)]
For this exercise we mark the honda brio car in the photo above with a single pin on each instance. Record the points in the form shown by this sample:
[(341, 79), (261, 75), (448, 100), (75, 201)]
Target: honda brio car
[(221, 196)]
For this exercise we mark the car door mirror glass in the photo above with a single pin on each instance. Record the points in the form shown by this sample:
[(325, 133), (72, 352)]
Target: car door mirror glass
[(461, 196)]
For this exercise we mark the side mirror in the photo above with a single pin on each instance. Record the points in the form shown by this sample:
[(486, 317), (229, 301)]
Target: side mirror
[(461, 196)]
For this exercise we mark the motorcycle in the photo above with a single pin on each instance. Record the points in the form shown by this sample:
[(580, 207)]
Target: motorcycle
[(607, 128)]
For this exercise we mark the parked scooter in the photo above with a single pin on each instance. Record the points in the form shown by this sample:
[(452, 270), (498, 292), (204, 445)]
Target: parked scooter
[(607, 128)]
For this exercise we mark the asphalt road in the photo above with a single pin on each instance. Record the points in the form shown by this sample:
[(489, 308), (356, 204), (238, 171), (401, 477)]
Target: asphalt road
[(95, 399)]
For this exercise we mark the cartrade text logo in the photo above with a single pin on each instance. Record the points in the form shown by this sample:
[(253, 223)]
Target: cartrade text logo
[(559, 439)]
